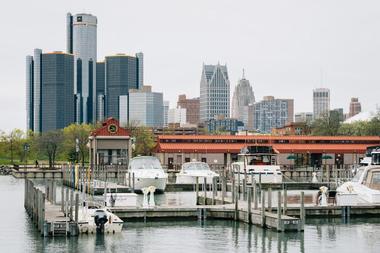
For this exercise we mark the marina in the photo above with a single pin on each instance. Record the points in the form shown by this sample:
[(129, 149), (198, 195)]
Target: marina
[(196, 235)]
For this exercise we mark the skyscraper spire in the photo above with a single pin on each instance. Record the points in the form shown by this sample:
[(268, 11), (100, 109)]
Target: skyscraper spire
[(243, 74)]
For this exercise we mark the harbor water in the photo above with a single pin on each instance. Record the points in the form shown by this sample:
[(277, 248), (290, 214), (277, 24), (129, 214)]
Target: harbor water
[(18, 234)]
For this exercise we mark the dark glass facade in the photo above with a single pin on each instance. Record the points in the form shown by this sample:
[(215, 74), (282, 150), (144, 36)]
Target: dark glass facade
[(121, 75), (57, 91)]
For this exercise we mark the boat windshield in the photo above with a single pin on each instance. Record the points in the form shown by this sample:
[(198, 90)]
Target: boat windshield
[(195, 166), (376, 158), (145, 163), (358, 175), (257, 159)]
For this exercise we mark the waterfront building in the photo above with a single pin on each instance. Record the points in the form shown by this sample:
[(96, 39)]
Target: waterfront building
[(82, 43), (177, 115), (50, 91), (145, 108), (214, 92), (121, 75), (224, 149), (271, 113), (243, 96), (192, 108), (306, 117), (321, 102), (355, 107), (224, 125)]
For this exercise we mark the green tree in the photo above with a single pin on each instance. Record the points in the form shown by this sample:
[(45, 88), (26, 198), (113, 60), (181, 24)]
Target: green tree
[(75, 141), (49, 144), (144, 140), (328, 124)]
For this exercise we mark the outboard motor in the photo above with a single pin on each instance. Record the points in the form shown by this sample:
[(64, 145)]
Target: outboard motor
[(100, 219)]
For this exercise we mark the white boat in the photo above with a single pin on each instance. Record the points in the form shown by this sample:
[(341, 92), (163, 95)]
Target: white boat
[(191, 170), (93, 220), (258, 161), (147, 172), (364, 188)]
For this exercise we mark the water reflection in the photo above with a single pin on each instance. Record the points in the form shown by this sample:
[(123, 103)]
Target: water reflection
[(18, 234)]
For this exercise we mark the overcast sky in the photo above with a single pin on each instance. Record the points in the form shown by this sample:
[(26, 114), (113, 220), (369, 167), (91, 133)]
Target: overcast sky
[(287, 47)]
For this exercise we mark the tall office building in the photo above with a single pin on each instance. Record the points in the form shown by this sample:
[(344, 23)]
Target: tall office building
[(50, 91), (145, 107), (303, 117), (177, 116), (214, 92), (29, 93), (121, 75), (243, 96), (355, 107), (100, 91), (37, 61), (271, 113), (140, 59), (57, 91), (192, 108), (81, 42), (166, 113), (321, 102)]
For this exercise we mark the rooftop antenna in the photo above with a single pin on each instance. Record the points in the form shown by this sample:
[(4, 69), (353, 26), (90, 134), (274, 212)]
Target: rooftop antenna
[(243, 74)]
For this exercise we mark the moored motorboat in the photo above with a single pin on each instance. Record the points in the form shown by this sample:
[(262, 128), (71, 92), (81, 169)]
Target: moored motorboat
[(364, 188), (191, 170), (259, 162), (95, 220), (146, 171)]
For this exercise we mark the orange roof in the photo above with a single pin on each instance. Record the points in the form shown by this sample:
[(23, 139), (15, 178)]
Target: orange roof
[(280, 148), (266, 137)]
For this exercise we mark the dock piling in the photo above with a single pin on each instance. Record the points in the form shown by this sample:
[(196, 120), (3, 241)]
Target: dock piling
[(270, 199), (262, 209), (279, 225), (71, 204), (285, 200), (249, 205), (197, 188), (76, 207), (302, 211)]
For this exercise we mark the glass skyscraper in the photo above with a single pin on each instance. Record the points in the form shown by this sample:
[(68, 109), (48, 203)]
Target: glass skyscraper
[(82, 43), (214, 92), (121, 75), (146, 108), (50, 91)]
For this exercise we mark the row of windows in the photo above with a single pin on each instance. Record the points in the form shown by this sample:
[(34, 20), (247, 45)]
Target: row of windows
[(283, 141)]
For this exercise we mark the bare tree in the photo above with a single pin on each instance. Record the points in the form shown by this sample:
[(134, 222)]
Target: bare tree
[(49, 144)]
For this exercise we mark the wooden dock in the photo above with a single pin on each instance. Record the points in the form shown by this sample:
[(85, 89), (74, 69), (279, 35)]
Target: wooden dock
[(50, 218)]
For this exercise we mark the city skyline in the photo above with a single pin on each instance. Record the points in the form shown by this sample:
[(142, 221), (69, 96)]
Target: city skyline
[(282, 67)]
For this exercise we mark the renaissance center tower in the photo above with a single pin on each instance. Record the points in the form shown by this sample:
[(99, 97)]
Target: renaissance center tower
[(81, 42)]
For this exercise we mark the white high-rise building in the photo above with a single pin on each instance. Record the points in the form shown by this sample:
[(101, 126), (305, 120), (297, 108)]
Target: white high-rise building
[(214, 92), (243, 96), (140, 59), (123, 110), (177, 116), (321, 102), (81, 42), (166, 113)]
